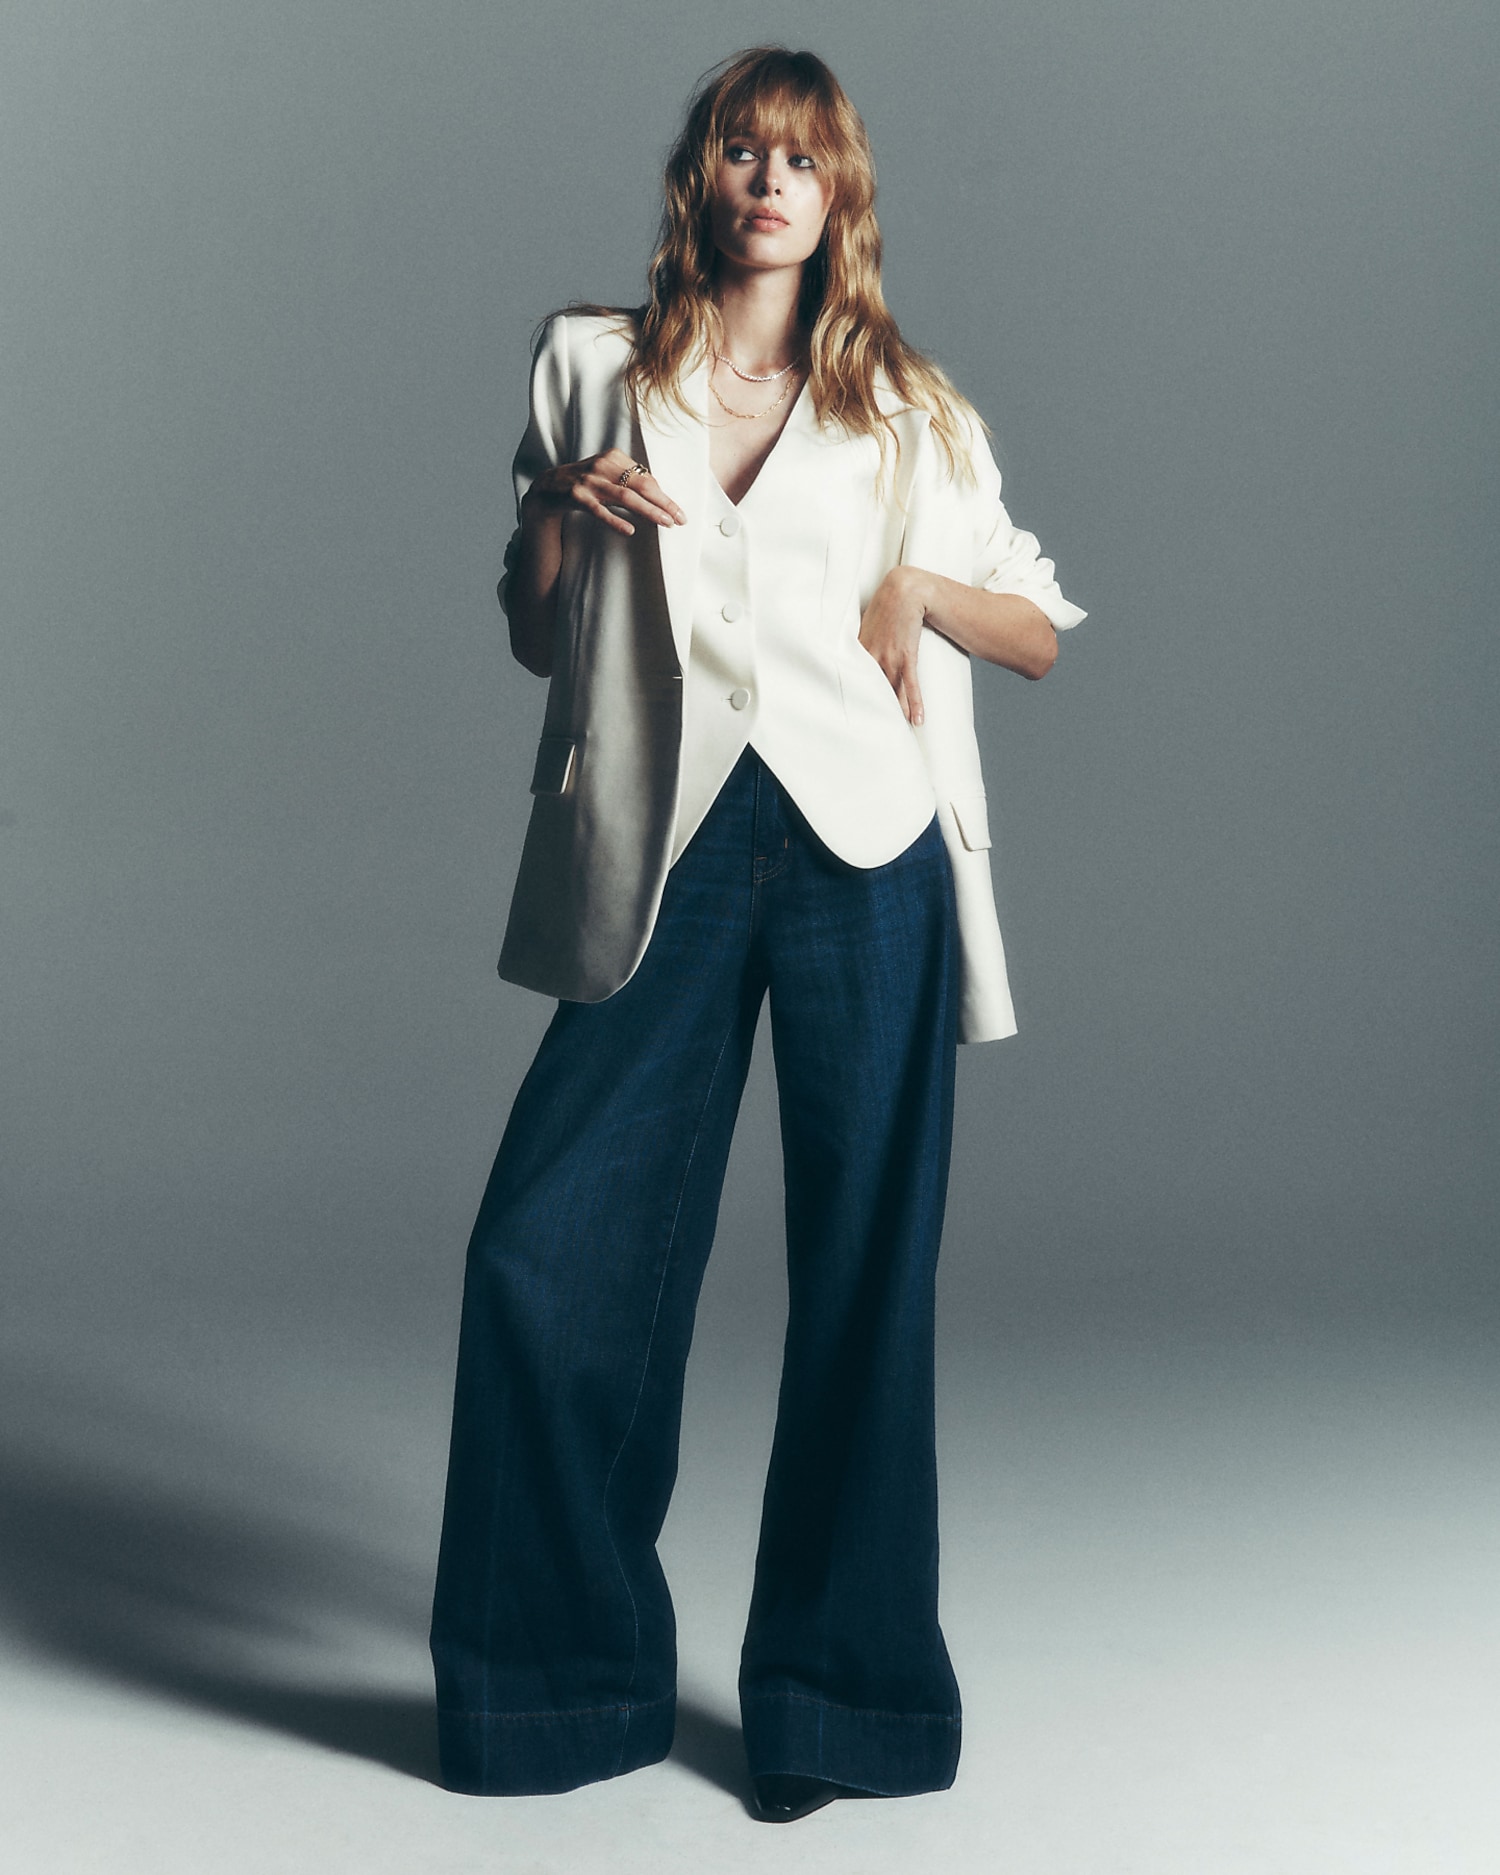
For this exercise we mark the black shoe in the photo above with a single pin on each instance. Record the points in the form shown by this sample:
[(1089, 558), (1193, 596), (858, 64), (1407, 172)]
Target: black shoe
[(783, 1798)]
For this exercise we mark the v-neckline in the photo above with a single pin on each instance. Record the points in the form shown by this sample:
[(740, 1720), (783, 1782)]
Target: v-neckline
[(791, 418)]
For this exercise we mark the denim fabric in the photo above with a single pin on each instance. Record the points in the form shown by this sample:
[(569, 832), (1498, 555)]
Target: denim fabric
[(553, 1637)]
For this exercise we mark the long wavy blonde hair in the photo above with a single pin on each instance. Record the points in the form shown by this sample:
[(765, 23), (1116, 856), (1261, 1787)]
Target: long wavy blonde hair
[(779, 96)]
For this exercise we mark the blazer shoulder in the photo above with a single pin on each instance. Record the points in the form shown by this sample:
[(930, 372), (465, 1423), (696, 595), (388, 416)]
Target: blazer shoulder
[(889, 401), (594, 343), (918, 417)]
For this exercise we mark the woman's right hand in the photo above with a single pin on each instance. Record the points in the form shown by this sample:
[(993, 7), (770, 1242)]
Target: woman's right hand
[(595, 486)]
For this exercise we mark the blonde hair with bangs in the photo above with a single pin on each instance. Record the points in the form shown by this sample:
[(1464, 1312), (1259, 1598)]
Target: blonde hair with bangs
[(854, 342)]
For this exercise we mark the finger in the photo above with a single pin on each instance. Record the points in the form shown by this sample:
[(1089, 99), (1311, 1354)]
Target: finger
[(645, 495), (614, 464), (587, 499), (611, 498), (648, 486), (665, 514), (911, 696)]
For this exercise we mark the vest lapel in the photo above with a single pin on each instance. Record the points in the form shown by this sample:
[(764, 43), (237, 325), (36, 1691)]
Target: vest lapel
[(675, 449)]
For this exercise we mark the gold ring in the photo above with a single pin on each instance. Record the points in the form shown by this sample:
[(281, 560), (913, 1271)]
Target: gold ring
[(636, 468)]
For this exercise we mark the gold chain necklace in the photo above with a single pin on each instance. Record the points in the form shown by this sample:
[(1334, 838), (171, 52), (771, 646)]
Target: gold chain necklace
[(748, 416)]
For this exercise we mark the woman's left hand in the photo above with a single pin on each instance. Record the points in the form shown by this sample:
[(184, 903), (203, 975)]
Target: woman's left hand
[(891, 631), (1004, 628)]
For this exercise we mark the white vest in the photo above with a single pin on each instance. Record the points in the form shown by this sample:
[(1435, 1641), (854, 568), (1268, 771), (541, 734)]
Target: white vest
[(769, 665)]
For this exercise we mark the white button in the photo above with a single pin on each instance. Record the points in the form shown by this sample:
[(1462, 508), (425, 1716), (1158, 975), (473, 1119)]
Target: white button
[(730, 526), (738, 699), (731, 612)]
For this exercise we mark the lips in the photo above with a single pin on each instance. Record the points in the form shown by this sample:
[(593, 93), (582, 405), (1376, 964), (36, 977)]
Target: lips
[(768, 219)]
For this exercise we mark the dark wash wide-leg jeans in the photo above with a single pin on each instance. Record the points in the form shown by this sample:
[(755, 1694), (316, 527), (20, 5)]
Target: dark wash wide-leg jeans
[(552, 1634)]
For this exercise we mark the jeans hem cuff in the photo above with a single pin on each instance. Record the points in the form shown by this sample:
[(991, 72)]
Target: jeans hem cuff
[(520, 1754), (889, 1754)]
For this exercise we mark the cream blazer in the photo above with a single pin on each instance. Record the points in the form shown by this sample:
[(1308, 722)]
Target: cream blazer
[(605, 783)]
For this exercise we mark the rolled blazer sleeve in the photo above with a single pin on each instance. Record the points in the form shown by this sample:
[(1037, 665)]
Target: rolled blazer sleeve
[(1006, 557), (545, 443)]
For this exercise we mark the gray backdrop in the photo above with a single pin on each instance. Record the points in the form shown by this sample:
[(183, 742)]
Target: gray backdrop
[(1219, 1289), (1223, 281)]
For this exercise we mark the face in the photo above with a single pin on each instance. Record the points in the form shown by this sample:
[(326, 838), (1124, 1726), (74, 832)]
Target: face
[(770, 204)]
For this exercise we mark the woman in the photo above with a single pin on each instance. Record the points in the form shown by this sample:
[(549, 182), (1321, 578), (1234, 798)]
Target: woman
[(759, 540)]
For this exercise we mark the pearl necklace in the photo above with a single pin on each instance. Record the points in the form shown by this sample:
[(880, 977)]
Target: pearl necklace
[(750, 377)]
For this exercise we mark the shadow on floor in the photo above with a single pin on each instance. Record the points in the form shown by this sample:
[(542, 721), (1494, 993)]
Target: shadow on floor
[(712, 1748), (179, 1592), (139, 1550)]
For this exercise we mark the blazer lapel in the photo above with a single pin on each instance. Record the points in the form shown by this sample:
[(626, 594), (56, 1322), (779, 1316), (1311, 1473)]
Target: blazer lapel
[(675, 449)]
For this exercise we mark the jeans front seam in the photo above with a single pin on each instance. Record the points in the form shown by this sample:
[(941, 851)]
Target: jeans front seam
[(768, 816)]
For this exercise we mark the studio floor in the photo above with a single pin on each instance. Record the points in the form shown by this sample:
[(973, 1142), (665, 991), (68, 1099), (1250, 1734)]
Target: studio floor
[(1218, 1603)]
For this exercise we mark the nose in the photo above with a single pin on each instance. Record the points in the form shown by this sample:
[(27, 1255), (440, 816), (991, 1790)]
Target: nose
[(767, 178)]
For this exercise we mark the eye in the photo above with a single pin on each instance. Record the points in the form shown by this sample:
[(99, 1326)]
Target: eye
[(802, 162), (738, 152)]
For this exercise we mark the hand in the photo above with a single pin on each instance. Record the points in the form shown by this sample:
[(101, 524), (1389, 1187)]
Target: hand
[(595, 486), (891, 631)]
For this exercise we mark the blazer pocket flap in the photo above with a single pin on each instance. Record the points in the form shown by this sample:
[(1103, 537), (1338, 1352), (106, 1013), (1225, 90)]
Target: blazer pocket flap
[(972, 814), (556, 760)]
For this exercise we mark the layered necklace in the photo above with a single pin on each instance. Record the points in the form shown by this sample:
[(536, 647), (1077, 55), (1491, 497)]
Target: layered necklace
[(751, 377)]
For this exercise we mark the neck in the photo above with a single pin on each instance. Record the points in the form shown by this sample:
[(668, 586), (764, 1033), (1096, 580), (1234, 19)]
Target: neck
[(758, 313)]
